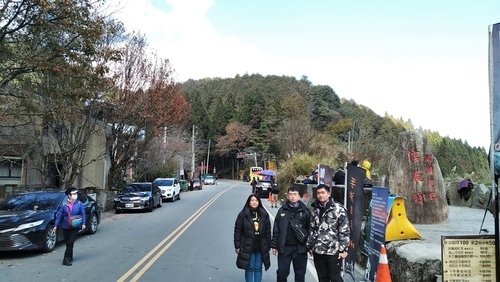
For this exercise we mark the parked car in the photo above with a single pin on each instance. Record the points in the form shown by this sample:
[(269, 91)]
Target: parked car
[(142, 195), (196, 184), (209, 180), (170, 188), (27, 219), (184, 184), (263, 188)]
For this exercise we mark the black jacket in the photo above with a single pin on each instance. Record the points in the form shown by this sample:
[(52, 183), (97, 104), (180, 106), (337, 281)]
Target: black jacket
[(281, 226), (244, 236)]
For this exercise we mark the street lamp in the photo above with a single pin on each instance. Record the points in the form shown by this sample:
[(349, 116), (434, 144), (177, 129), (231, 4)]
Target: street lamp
[(254, 157)]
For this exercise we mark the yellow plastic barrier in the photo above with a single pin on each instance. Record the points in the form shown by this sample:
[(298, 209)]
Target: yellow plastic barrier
[(398, 226)]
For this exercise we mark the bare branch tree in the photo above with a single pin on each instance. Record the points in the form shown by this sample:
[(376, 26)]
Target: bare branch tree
[(144, 101)]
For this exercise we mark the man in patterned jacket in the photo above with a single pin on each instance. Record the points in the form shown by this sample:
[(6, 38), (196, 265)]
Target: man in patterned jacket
[(329, 235)]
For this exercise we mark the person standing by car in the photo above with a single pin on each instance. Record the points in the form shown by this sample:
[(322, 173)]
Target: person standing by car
[(275, 190), (253, 184), (290, 231), (329, 235), (71, 211), (252, 239)]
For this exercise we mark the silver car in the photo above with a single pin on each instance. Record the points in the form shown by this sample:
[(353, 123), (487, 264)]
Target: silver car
[(209, 180)]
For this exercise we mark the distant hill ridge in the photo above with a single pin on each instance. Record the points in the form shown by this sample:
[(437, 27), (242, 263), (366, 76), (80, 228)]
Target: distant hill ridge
[(286, 116)]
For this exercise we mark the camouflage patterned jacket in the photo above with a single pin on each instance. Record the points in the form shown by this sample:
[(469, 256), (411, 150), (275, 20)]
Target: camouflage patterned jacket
[(329, 234)]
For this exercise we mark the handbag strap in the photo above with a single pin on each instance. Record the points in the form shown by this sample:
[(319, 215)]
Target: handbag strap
[(292, 217), (70, 210)]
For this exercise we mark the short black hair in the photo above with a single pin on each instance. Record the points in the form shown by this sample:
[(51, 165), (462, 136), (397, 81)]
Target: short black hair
[(323, 186), (69, 190), (294, 189)]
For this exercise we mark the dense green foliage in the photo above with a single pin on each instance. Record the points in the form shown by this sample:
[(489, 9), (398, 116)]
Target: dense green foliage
[(290, 117)]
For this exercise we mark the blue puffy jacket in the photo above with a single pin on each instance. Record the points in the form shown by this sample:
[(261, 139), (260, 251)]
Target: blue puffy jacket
[(62, 214)]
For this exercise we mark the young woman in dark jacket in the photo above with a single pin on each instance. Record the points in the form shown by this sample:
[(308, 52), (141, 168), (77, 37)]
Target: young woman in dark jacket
[(252, 239)]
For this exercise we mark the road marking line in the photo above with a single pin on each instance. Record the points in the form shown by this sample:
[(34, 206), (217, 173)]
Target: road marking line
[(166, 247), (174, 236)]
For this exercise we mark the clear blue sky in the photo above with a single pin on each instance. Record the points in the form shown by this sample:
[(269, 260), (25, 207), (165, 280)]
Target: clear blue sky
[(426, 61)]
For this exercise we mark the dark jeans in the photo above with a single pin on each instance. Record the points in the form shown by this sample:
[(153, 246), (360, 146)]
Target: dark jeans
[(291, 255), (328, 268), (69, 238)]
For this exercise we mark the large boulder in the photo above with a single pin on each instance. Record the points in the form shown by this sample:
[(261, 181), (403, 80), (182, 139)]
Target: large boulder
[(479, 196), (414, 174), (414, 260)]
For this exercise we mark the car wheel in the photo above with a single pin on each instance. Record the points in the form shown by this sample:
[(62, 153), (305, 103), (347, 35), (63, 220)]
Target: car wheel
[(117, 211), (151, 205), (92, 224), (50, 239), (179, 196)]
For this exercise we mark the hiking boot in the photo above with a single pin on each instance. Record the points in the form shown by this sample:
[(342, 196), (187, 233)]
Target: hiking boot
[(67, 262)]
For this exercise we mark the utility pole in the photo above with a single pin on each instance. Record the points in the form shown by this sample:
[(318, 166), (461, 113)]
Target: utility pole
[(349, 142), (208, 156), (192, 156)]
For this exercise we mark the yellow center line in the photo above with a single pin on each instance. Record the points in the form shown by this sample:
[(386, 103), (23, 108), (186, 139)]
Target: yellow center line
[(166, 247), (175, 234)]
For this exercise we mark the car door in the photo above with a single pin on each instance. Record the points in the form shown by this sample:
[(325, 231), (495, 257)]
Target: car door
[(157, 193), (177, 187)]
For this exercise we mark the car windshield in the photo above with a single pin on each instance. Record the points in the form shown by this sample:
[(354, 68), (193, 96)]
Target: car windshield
[(131, 188), (32, 201), (164, 182), (209, 177)]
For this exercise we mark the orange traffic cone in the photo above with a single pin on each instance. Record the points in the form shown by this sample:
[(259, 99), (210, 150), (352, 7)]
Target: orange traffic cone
[(383, 273)]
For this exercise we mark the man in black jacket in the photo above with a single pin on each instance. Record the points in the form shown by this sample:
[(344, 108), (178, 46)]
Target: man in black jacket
[(291, 228)]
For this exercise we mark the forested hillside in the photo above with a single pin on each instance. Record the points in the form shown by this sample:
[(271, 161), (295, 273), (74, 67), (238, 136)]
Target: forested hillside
[(279, 117)]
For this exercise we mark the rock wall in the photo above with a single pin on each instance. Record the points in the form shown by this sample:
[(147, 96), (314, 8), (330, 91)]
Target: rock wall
[(103, 197), (414, 261), (479, 196), (414, 174)]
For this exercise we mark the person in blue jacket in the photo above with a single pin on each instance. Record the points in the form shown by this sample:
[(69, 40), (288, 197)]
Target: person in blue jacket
[(71, 210)]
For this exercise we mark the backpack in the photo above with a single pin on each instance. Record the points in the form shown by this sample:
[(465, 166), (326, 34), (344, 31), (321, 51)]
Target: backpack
[(275, 189)]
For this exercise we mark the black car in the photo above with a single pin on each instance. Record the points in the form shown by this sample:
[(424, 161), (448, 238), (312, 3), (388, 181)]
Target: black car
[(27, 219), (135, 196), (263, 188), (196, 184)]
